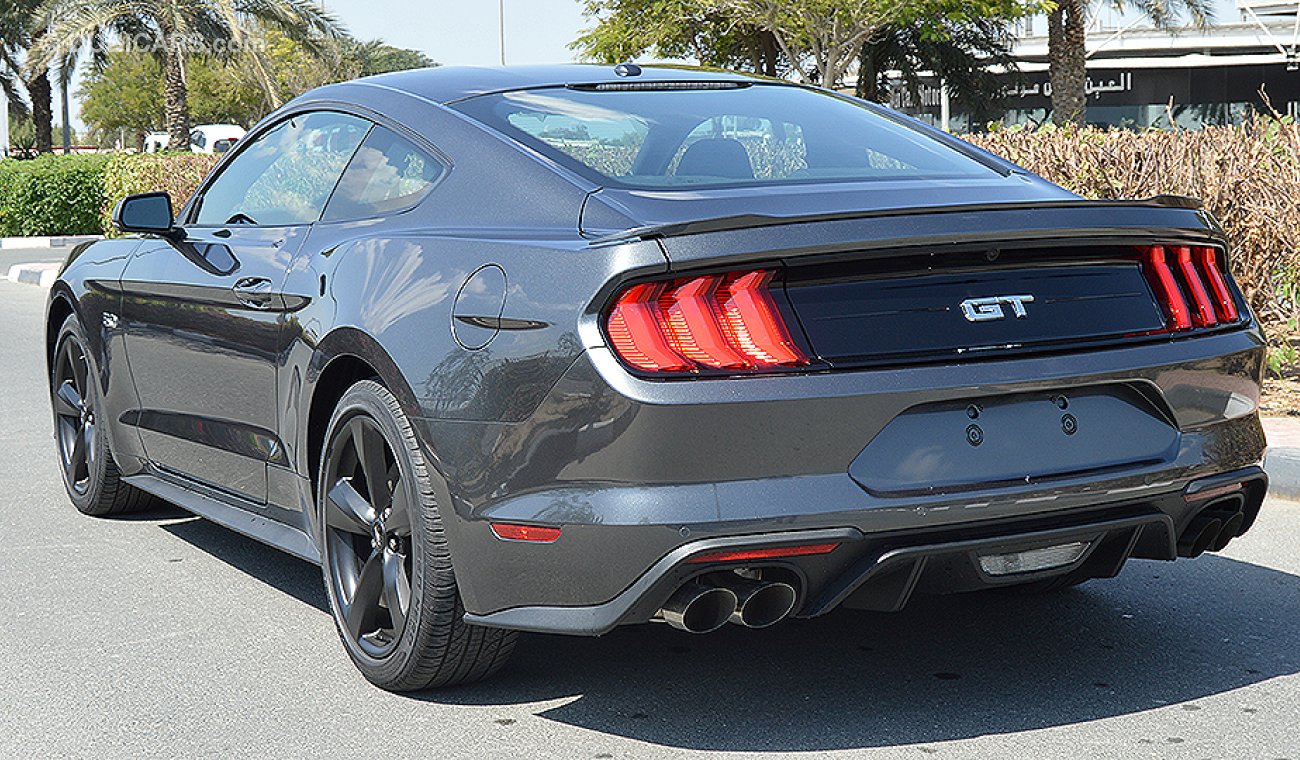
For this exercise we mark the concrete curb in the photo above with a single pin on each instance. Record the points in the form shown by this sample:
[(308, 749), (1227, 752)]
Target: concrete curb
[(62, 241), (41, 275), (1283, 468)]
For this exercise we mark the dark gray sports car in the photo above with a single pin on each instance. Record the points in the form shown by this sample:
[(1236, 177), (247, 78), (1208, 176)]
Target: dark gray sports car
[(562, 349)]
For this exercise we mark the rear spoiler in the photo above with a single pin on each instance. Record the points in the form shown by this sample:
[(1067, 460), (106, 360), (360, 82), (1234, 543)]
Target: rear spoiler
[(749, 221)]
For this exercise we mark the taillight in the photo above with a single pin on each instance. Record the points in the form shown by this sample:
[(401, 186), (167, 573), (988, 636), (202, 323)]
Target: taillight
[(712, 323), (1190, 286)]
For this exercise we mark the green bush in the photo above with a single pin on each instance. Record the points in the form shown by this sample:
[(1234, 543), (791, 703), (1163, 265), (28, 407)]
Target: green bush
[(179, 174), (52, 195)]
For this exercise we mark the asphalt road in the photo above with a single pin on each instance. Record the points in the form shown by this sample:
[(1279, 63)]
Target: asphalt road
[(11, 256), (166, 636)]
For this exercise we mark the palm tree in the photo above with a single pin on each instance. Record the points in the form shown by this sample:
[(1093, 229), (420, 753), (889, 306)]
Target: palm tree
[(174, 29), (1067, 51), (20, 27)]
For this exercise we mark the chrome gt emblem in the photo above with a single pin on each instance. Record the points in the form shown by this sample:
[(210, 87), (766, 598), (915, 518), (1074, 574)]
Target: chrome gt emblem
[(989, 309)]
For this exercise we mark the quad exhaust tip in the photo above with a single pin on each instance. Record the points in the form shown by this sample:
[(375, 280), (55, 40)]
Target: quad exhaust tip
[(705, 606), (1213, 527), (697, 608), (759, 603)]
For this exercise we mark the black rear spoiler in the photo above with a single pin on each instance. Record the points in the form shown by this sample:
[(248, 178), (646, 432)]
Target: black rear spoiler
[(747, 221)]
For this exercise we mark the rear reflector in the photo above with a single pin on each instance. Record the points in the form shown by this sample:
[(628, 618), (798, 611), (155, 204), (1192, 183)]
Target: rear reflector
[(775, 552), (532, 533), (713, 323), (1015, 563), (1190, 285)]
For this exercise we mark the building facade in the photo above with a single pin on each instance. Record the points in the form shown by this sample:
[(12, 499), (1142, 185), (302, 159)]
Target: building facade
[(1140, 77)]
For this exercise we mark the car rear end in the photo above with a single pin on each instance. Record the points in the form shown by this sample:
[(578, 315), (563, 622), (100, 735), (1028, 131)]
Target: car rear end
[(847, 408)]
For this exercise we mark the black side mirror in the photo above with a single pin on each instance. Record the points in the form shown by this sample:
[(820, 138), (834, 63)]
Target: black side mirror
[(148, 213)]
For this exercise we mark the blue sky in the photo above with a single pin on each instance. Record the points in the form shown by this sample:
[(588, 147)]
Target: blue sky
[(466, 32)]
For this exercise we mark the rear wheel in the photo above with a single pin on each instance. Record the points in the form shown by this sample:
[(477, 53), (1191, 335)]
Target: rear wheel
[(388, 572), (90, 475)]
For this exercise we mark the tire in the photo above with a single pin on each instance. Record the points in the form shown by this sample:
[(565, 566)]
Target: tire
[(90, 474), (373, 560)]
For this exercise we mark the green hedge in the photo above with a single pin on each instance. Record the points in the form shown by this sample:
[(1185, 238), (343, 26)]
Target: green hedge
[(52, 195), (179, 174), (75, 195)]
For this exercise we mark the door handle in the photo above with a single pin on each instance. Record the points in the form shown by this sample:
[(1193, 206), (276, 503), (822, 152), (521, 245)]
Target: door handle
[(254, 292)]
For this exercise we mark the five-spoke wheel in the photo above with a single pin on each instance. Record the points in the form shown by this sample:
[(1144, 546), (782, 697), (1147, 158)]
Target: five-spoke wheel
[(368, 535), (74, 412), (90, 473), (388, 570)]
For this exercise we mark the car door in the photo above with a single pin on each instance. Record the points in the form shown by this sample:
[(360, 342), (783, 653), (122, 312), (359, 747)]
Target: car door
[(205, 315)]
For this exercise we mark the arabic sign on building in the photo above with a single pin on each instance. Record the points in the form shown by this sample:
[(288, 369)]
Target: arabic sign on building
[(1133, 95)]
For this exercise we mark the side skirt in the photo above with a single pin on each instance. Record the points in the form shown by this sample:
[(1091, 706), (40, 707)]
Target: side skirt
[(284, 537)]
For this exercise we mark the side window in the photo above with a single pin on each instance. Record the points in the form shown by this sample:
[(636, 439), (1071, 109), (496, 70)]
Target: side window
[(388, 174), (285, 175)]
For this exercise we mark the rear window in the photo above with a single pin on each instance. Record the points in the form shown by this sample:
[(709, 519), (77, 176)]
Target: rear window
[(750, 134)]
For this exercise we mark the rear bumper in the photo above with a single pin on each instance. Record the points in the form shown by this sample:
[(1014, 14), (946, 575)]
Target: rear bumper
[(881, 572), (639, 473)]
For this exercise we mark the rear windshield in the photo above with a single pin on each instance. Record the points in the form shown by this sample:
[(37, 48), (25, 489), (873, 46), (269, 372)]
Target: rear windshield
[(752, 134)]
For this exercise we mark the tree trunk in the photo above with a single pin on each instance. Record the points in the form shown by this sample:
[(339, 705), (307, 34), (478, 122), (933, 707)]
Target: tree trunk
[(770, 53), (38, 89), (1067, 61), (42, 96), (175, 95)]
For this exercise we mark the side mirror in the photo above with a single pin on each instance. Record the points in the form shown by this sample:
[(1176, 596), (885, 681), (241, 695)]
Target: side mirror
[(148, 213)]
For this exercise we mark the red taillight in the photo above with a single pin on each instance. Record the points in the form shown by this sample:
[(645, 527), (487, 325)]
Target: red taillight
[(1187, 276), (532, 533), (1203, 316), (721, 322), (1226, 304), (775, 552)]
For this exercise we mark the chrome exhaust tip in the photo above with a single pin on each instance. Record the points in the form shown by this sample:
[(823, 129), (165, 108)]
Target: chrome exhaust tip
[(758, 603), (697, 608), (1198, 537)]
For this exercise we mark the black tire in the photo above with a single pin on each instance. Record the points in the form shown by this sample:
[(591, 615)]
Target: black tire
[(90, 474), (373, 556)]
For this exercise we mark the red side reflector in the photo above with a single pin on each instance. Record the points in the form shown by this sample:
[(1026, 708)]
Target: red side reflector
[(532, 533), (770, 553), (1203, 315), (1226, 304), (1214, 493), (1167, 289)]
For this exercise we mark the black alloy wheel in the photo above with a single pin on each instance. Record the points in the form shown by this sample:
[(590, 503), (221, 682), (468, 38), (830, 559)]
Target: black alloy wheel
[(74, 413), (368, 537), (387, 567), (90, 474)]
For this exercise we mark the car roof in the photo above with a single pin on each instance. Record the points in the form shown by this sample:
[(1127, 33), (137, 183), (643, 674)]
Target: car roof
[(447, 84)]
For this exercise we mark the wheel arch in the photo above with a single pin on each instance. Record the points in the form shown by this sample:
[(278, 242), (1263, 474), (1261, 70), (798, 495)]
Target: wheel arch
[(61, 307), (342, 358)]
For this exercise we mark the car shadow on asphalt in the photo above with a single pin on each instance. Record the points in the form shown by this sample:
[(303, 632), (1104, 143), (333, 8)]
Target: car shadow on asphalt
[(945, 668), (295, 577)]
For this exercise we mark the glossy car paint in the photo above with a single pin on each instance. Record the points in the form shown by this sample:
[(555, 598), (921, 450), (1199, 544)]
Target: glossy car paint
[(480, 309)]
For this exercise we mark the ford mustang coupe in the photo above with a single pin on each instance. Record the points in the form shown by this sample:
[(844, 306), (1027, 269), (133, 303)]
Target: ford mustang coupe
[(562, 349)]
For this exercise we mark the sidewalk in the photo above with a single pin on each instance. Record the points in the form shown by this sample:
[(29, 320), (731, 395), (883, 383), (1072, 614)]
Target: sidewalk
[(1282, 463)]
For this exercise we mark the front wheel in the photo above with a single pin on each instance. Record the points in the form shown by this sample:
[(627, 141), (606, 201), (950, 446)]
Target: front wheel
[(388, 571), (90, 475)]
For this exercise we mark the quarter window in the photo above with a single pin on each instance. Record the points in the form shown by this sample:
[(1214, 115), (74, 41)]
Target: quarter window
[(388, 174), (285, 175)]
